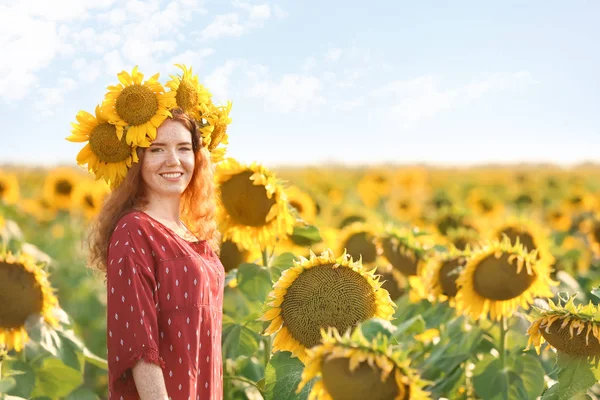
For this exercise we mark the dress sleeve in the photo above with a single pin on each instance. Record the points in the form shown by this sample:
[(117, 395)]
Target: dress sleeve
[(132, 324)]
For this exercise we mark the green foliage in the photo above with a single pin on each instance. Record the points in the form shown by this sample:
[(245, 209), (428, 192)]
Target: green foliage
[(305, 235), (282, 376)]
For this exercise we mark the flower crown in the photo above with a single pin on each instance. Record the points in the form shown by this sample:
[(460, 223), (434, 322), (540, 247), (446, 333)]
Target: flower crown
[(131, 112)]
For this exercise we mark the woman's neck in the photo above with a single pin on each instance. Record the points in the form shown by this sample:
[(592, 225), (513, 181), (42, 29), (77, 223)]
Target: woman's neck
[(163, 209)]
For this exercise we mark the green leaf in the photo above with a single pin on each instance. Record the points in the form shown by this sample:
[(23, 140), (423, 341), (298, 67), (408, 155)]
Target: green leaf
[(94, 359), (254, 281), (54, 379), (371, 327), (7, 384), (238, 340), (282, 376), (280, 264), (492, 381), (596, 292), (25, 379), (306, 235), (413, 326), (531, 371), (575, 376), (82, 394)]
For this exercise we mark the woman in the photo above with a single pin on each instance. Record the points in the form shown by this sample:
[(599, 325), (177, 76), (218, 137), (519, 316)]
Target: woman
[(157, 237)]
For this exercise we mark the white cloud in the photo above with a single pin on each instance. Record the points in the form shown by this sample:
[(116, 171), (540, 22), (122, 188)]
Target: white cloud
[(47, 99), (291, 93), (28, 45), (333, 55), (280, 13), (348, 105), (194, 58), (421, 98), (309, 63), (114, 63), (261, 12), (59, 10), (218, 81), (225, 25)]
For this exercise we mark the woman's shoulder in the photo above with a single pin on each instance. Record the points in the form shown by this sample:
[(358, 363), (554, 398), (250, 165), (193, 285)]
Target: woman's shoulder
[(136, 221)]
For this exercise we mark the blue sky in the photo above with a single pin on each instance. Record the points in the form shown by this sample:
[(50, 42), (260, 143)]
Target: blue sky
[(349, 82)]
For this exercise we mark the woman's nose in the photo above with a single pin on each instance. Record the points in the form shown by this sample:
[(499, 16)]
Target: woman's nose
[(173, 158)]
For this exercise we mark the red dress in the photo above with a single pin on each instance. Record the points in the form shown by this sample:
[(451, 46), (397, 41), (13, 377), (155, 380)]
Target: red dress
[(164, 305)]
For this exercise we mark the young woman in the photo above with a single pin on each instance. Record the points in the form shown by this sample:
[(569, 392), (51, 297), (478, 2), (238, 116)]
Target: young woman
[(156, 239)]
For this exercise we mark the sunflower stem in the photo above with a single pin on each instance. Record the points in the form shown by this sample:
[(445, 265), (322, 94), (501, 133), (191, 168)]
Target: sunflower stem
[(502, 346), (267, 355)]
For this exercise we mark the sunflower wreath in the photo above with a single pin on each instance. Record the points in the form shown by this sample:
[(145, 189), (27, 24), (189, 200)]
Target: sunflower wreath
[(130, 114)]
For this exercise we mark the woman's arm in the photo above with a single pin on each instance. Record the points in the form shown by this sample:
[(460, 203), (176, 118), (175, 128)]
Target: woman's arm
[(149, 381)]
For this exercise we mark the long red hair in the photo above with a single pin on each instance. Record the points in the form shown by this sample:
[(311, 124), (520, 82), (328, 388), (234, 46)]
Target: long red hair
[(197, 207)]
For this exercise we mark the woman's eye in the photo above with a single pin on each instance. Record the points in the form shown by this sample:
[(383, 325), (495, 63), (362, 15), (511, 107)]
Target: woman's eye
[(186, 148), (155, 149)]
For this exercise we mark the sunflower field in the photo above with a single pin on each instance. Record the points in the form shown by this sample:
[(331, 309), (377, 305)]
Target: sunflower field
[(342, 283)]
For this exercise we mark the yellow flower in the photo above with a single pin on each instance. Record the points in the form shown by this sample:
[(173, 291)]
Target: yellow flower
[(193, 98), (24, 291), (405, 251), (403, 206), (107, 155), (39, 208), (350, 367), (358, 240), (141, 106), (322, 292), (559, 218), (253, 208), (214, 132), (9, 188), (569, 328), (59, 187), (484, 203), (499, 278), (442, 270), (303, 203), (89, 196), (232, 255), (591, 228)]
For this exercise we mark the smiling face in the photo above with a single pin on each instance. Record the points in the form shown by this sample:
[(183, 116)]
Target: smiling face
[(168, 164)]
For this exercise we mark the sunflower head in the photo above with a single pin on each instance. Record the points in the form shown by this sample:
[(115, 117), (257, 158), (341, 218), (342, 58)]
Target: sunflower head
[(59, 187), (193, 98), (321, 292), (358, 240), (107, 155), (463, 237), (500, 277), (591, 229), (351, 367), (89, 197), (214, 131), (304, 204), (442, 271), (406, 251), (253, 206), (569, 328), (24, 291), (9, 188)]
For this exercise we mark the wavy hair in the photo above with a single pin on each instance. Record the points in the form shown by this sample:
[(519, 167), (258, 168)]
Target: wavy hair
[(197, 207)]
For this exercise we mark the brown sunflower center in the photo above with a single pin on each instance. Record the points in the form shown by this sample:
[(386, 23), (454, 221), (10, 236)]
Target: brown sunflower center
[(20, 295), (448, 274), (391, 283), (324, 296), (486, 205), (361, 243), (403, 205), (63, 187), (217, 135), (2, 188), (350, 219), (187, 95), (106, 145), (400, 259), (297, 205), (596, 232), (497, 278), (560, 338), (231, 257), (88, 200), (525, 238), (246, 204), (136, 104), (362, 383)]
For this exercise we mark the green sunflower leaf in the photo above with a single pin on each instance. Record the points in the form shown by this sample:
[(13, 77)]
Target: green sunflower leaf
[(306, 235), (282, 376), (575, 376)]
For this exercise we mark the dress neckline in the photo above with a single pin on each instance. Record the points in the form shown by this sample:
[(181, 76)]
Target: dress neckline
[(171, 231)]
